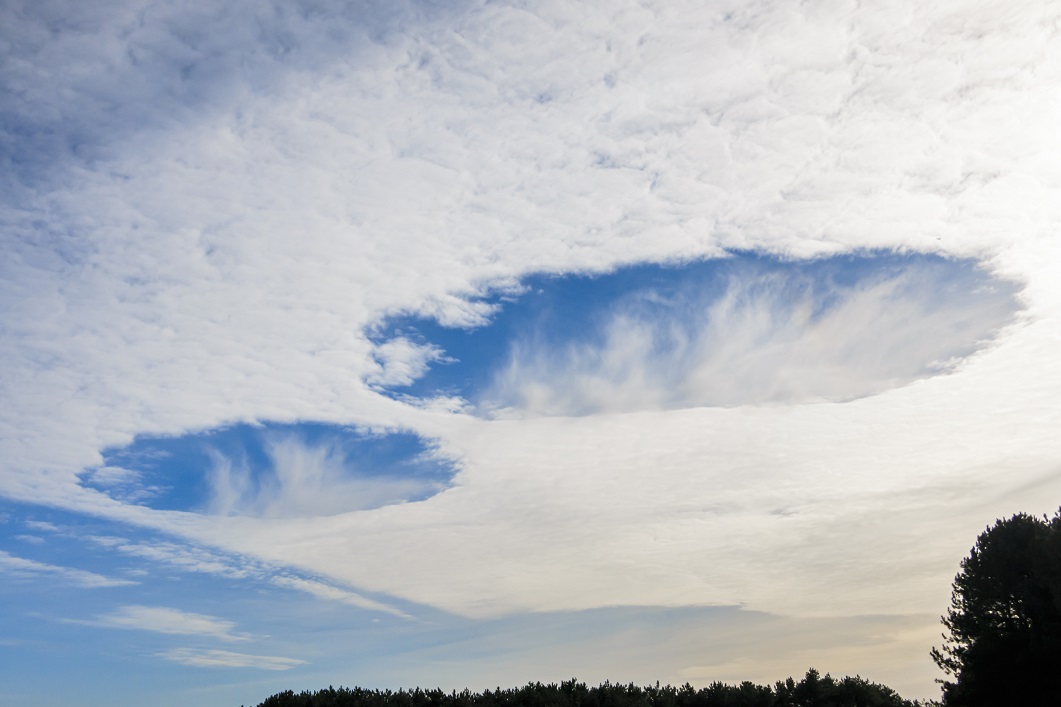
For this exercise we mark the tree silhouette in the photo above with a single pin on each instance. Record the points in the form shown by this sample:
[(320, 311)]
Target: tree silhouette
[(814, 690), (1003, 639)]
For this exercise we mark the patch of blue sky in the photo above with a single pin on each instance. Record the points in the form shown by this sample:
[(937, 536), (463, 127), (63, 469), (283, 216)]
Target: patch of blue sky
[(66, 547), (161, 615), (55, 539), (254, 469), (678, 329)]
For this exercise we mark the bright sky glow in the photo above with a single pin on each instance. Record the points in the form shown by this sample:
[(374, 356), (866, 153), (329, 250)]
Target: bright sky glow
[(466, 344)]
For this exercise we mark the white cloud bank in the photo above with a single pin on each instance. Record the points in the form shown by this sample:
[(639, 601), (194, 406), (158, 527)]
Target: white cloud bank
[(201, 222)]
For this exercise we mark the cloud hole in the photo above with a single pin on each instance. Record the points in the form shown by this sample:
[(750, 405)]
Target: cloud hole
[(743, 330), (273, 470)]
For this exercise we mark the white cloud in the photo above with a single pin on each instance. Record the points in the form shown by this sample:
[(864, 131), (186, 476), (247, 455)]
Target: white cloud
[(125, 485), (114, 476), (227, 659), (20, 567), (160, 619), (402, 361), (42, 525)]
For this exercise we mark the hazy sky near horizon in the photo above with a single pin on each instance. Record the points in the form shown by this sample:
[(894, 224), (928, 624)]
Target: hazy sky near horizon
[(472, 343)]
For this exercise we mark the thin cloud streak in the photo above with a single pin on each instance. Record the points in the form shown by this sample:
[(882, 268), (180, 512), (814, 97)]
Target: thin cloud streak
[(200, 658), (21, 568), (181, 556), (327, 591), (161, 619)]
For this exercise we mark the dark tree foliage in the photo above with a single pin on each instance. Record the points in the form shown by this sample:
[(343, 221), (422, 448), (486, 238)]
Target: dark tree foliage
[(1003, 639), (812, 691)]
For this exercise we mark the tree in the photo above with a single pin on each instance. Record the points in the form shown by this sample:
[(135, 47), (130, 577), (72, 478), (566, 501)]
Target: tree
[(1003, 639)]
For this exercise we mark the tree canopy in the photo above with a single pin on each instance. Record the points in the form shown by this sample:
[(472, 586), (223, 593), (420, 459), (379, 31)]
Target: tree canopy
[(1003, 638), (814, 690)]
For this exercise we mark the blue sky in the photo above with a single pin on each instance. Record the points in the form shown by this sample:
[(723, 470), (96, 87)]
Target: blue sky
[(470, 344)]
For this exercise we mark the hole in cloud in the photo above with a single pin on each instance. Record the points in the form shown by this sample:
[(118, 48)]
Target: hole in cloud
[(273, 470), (743, 330)]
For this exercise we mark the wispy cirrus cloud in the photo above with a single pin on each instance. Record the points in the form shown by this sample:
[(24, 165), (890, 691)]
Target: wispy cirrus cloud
[(20, 567), (333, 593), (227, 659), (121, 483), (42, 525), (188, 558), (183, 556), (161, 619), (304, 479)]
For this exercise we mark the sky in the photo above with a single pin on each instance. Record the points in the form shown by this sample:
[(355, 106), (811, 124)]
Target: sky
[(468, 344)]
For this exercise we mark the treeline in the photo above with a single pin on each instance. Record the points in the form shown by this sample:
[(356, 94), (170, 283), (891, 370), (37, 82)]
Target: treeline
[(813, 690)]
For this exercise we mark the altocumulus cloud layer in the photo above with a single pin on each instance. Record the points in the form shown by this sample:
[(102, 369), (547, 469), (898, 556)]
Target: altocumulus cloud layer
[(253, 216)]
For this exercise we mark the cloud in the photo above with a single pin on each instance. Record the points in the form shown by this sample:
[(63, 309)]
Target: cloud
[(402, 362), (21, 568), (332, 593), (161, 619), (187, 558), (227, 659), (182, 556), (145, 69), (114, 476), (124, 484), (42, 526)]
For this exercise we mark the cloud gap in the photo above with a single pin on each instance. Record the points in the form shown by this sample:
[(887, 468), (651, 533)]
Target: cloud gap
[(749, 329), (273, 470)]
